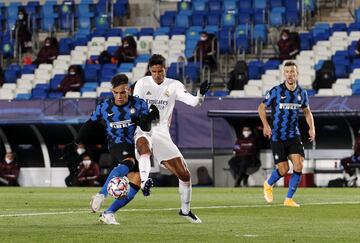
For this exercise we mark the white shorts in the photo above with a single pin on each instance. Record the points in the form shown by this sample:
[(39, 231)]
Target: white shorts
[(162, 146)]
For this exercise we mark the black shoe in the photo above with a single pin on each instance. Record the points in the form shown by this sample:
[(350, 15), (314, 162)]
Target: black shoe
[(148, 184), (192, 218)]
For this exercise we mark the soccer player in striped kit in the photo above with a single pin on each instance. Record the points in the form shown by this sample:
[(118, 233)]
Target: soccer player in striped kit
[(286, 100), (120, 116)]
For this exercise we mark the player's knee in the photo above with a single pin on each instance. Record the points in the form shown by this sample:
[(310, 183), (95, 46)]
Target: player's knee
[(298, 167), (283, 170), (143, 146), (185, 176)]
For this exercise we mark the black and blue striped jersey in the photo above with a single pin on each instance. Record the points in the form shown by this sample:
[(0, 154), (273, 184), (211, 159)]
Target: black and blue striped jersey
[(285, 105), (119, 120)]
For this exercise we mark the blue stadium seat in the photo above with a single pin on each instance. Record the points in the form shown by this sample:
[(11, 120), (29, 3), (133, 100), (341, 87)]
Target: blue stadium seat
[(23, 96), (306, 41), (292, 5), (271, 64), (142, 58), (338, 27), (38, 94), (66, 15), (260, 33), (114, 32), (354, 27), (259, 16), (10, 76), (84, 25), (198, 19), (230, 6), (121, 8), (192, 71), (259, 4), (228, 20), (83, 11), (245, 16), (147, 31), (65, 45), (220, 93), (91, 73), (292, 17), (56, 80), (213, 19), (184, 5), (28, 69), (130, 32), (276, 17), (255, 69), (172, 72), (106, 95), (182, 20), (102, 23), (275, 3), (55, 95), (211, 29), (245, 4), (167, 19), (214, 5), (199, 5)]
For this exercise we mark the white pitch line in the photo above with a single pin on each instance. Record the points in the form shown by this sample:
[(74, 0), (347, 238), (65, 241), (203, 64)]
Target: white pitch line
[(172, 209)]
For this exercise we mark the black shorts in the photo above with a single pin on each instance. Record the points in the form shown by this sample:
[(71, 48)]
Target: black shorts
[(121, 151), (282, 149)]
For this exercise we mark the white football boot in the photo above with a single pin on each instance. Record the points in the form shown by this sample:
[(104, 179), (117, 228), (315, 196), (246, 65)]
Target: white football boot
[(96, 201)]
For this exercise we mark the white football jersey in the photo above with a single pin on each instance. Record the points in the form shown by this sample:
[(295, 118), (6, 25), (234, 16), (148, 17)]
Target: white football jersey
[(164, 97)]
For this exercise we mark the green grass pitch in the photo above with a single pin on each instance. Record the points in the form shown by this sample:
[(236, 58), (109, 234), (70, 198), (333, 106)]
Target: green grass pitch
[(228, 215)]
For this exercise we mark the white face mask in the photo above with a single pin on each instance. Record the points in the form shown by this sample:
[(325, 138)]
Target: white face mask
[(72, 73), (203, 38), (8, 160), (126, 45), (47, 44), (21, 17), (246, 133), (284, 37), (86, 163), (80, 151)]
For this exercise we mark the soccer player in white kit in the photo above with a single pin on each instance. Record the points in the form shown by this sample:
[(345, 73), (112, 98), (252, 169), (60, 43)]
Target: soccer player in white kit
[(163, 92)]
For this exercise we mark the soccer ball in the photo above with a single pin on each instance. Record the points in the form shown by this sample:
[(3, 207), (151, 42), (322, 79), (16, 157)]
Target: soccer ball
[(118, 187)]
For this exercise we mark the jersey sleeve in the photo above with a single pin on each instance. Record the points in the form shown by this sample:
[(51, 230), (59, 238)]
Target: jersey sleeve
[(138, 89), (270, 97), (304, 99), (184, 96), (96, 115)]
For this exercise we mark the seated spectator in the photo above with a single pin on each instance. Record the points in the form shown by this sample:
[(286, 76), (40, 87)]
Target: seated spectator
[(246, 157), (72, 159), (88, 172), (73, 80), (206, 51), (350, 171), (21, 31), (48, 52), (287, 46), (127, 52), (9, 171)]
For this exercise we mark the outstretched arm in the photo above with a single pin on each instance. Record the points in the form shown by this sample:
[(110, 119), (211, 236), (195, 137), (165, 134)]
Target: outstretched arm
[(184, 96)]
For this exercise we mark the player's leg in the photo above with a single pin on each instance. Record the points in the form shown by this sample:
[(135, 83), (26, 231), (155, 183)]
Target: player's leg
[(124, 155), (295, 178), (108, 217), (143, 149), (296, 155), (282, 167), (179, 168)]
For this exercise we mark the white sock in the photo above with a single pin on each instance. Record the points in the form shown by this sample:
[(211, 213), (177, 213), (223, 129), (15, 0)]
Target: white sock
[(144, 167), (185, 195)]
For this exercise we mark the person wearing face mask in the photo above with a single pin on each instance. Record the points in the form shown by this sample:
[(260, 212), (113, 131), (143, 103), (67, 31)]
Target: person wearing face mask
[(21, 31), (88, 172), (72, 160), (127, 52), (48, 52), (206, 50), (245, 156), (73, 80), (287, 46), (9, 171), (349, 162)]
